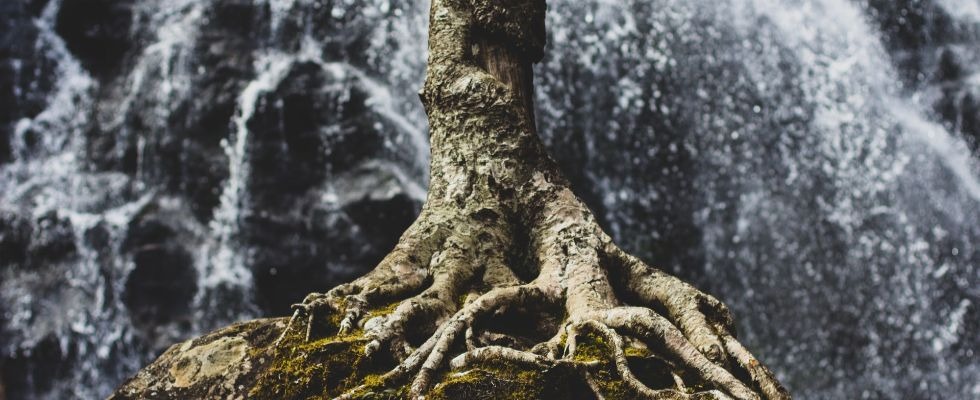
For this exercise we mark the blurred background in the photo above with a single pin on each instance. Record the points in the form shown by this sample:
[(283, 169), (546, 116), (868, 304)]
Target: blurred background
[(169, 167)]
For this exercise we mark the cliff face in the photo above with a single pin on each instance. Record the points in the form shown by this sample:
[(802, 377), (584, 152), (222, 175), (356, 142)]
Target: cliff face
[(815, 167)]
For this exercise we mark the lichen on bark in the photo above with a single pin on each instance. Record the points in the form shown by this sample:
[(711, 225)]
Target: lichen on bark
[(504, 287)]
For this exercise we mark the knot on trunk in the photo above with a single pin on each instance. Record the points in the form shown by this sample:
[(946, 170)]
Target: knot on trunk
[(518, 24)]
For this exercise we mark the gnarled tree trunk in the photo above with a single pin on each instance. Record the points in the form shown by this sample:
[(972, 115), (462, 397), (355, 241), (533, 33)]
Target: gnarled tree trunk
[(505, 271)]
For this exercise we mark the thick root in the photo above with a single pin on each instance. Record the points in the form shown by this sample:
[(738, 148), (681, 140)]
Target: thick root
[(453, 302), (421, 366), (702, 318), (759, 373), (465, 318), (648, 325), (619, 360)]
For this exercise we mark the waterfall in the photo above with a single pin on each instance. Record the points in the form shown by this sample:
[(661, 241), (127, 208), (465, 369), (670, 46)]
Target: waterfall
[(177, 166), (228, 265), (952, 152), (965, 10)]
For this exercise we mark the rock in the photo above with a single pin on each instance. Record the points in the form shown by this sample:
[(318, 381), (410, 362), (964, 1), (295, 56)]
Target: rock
[(25, 372), (208, 360), (950, 67), (52, 239), (219, 365), (173, 142), (243, 362), (160, 289), (15, 238), (970, 121), (197, 166), (25, 72), (315, 130), (36, 6), (910, 28), (97, 32), (161, 286), (334, 246)]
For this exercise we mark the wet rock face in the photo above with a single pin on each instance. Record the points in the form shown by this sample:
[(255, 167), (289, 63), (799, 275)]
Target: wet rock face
[(15, 239), (174, 120), (97, 32), (912, 25), (54, 239), (935, 52), (194, 163), (15, 32), (305, 129), (32, 244), (161, 287), (43, 366), (25, 75), (296, 255), (953, 100), (316, 127)]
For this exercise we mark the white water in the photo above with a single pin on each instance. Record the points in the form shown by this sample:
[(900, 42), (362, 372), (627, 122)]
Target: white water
[(966, 10), (228, 266)]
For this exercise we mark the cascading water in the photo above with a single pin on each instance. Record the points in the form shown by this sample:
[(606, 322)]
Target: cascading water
[(227, 266), (776, 155), (170, 167)]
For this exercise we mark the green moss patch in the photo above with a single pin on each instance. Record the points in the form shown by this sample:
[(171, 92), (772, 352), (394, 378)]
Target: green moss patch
[(504, 381)]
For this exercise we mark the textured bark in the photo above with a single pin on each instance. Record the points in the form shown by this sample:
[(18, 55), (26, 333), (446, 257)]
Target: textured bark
[(505, 269)]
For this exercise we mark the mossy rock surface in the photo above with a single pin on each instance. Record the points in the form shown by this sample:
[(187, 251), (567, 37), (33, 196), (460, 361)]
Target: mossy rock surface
[(243, 362)]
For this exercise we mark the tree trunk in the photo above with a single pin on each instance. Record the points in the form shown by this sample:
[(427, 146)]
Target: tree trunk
[(504, 276)]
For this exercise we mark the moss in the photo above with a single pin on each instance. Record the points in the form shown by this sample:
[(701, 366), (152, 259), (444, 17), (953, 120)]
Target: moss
[(322, 368), (382, 311), (651, 371), (507, 381), (327, 367), (636, 352), (591, 347), (501, 379), (611, 386)]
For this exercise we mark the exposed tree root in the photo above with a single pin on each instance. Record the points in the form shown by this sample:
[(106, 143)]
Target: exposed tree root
[(619, 360), (449, 297)]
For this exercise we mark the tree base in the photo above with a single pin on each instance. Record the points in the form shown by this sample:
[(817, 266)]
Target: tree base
[(244, 361)]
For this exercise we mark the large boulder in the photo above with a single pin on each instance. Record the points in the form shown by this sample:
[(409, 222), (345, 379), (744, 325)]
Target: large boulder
[(245, 361)]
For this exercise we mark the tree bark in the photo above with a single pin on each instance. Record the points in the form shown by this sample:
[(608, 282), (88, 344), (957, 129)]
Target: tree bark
[(505, 266)]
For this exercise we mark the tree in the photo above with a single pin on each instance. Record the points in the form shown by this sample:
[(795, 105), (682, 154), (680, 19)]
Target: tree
[(505, 271)]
